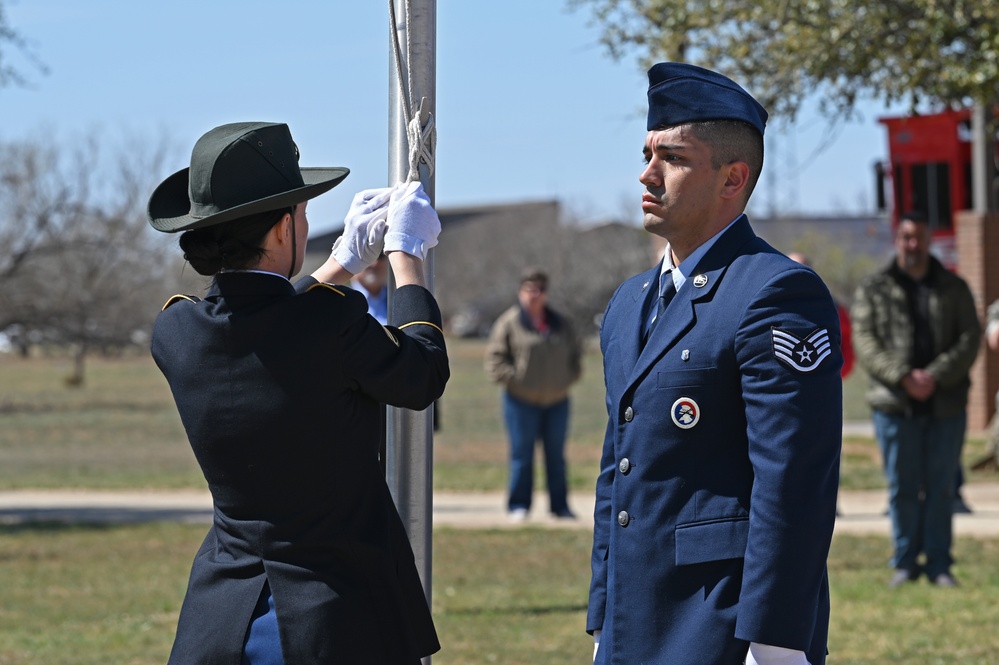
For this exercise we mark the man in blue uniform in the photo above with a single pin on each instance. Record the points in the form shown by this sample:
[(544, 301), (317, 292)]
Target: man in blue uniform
[(716, 497)]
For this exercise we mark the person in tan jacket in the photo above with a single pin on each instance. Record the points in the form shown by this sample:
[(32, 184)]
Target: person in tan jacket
[(534, 353)]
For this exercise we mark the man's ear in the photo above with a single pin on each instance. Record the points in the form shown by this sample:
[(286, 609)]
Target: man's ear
[(736, 179)]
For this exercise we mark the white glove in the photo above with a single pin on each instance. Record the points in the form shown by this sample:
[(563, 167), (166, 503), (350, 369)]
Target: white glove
[(765, 654), (363, 230), (413, 225)]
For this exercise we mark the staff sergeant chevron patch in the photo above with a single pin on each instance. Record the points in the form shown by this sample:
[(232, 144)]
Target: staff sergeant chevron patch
[(805, 354)]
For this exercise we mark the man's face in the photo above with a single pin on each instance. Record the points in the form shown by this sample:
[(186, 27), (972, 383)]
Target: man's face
[(375, 276), (681, 187), (912, 246), (532, 296)]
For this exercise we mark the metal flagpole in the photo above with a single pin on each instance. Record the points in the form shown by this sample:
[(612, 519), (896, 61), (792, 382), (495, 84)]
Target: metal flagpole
[(409, 445)]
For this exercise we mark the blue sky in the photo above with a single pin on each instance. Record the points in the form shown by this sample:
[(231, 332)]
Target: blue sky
[(529, 105)]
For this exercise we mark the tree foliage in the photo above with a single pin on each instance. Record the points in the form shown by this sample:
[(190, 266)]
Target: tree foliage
[(942, 52), (11, 40), (81, 268)]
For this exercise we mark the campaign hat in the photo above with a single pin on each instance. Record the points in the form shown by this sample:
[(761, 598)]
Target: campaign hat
[(680, 93), (237, 170)]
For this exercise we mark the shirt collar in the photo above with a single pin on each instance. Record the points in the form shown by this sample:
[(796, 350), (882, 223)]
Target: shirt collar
[(681, 272)]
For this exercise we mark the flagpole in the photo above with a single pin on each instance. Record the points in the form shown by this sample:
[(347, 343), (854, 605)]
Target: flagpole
[(409, 436)]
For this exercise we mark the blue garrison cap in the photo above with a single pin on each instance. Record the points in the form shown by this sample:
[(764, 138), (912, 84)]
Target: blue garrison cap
[(680, 93)]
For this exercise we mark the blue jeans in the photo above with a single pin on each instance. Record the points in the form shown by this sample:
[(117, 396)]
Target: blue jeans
[(921, 458), (525, 424)]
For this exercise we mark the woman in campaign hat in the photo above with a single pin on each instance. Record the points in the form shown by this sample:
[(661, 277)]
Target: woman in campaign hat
[(279, 387)]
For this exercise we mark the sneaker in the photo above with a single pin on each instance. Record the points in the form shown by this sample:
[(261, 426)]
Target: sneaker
[(565, 514), (518, 515), (903, 575), (945, 580)]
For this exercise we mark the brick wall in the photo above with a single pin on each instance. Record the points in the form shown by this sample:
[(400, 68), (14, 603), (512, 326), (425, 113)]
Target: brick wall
[(978, 263)]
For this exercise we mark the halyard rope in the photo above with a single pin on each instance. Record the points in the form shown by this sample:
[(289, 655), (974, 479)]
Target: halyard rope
[(422, 137)]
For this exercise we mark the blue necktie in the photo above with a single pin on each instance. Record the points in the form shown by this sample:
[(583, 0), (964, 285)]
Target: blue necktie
[(667, 291)]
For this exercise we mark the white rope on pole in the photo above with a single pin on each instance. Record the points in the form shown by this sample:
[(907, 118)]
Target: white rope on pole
[(421, 129)]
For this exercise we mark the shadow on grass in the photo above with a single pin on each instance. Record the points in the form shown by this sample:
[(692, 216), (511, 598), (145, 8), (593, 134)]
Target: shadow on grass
[(97, 516), (533, 611), (12, 407)]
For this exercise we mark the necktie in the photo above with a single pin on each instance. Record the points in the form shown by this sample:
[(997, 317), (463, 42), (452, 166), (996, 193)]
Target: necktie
[(666, 298), (667, 291)]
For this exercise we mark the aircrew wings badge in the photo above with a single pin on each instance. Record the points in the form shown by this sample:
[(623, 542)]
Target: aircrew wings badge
[(805, 354)]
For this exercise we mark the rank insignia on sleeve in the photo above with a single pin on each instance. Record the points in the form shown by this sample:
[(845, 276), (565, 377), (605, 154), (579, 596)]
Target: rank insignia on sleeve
[(805, 354)]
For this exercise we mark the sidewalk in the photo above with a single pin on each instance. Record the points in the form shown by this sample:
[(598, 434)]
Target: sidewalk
[(861, 511)]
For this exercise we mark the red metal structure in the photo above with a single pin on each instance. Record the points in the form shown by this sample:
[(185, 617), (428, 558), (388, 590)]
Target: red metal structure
[(930, 171)]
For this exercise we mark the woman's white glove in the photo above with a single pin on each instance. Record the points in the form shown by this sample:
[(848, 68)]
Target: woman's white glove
[(413, 224), (363, 230)]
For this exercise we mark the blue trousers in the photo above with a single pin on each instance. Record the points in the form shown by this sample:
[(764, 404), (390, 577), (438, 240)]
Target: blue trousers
[(921, 458), (263, 644), (525, 424)]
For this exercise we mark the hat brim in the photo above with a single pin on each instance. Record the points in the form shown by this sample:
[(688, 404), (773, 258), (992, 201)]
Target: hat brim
[(169, 208)]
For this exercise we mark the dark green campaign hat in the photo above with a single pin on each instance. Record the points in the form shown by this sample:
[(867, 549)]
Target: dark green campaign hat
[(237, 170)]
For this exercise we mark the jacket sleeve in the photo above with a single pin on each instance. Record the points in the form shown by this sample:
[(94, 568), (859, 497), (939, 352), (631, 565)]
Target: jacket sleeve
[(794, 421), (403, 365), (499, 361), (881, 362), (952, 365), (602, 514)]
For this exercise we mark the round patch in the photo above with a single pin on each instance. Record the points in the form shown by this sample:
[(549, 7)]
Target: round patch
[(685, 413)]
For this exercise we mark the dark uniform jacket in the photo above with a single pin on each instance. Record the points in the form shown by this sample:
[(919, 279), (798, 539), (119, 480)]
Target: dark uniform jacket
[(278, 387), (716, 497)]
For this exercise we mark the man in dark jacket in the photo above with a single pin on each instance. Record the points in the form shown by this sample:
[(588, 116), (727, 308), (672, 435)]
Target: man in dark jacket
[(916, 334)]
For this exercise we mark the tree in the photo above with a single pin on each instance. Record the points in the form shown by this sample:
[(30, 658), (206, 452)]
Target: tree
[(11, 39), (785, 51), (85, 271)]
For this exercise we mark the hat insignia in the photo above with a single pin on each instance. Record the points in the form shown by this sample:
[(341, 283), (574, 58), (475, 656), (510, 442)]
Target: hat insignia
[(803, 355)]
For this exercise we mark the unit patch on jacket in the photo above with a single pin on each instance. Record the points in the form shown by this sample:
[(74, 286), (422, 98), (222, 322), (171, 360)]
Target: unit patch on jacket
[(805, 354), (685, 413)]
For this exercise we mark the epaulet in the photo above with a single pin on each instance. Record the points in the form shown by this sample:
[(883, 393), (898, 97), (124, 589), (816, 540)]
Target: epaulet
[(422, 323), (178, 298), (324, 285)]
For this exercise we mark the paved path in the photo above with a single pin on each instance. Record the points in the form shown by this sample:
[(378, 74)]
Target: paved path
[(861, 511)]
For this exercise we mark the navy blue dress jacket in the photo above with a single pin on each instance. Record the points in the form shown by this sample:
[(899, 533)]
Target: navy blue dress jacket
[(716, 496), (279, 388)]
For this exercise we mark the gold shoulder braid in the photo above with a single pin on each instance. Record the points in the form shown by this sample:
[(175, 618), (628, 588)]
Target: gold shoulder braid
[(178, 298), (324, 285)]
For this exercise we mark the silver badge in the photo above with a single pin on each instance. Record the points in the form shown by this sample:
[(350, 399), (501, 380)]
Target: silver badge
[(700, 280), (805, 354), (685, 355)]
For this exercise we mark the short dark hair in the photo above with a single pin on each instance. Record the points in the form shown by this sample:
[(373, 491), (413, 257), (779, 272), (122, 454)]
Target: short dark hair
[(236, 245), (732, 141), (914, 216), (534, 276)]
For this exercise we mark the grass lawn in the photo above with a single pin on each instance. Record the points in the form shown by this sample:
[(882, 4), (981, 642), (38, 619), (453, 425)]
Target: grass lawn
[(85, 594), (121, 429), (93, 595)]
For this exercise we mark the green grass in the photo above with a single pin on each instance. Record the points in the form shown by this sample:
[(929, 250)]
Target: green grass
[(121, 429), (85, 594), (92, 595)]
